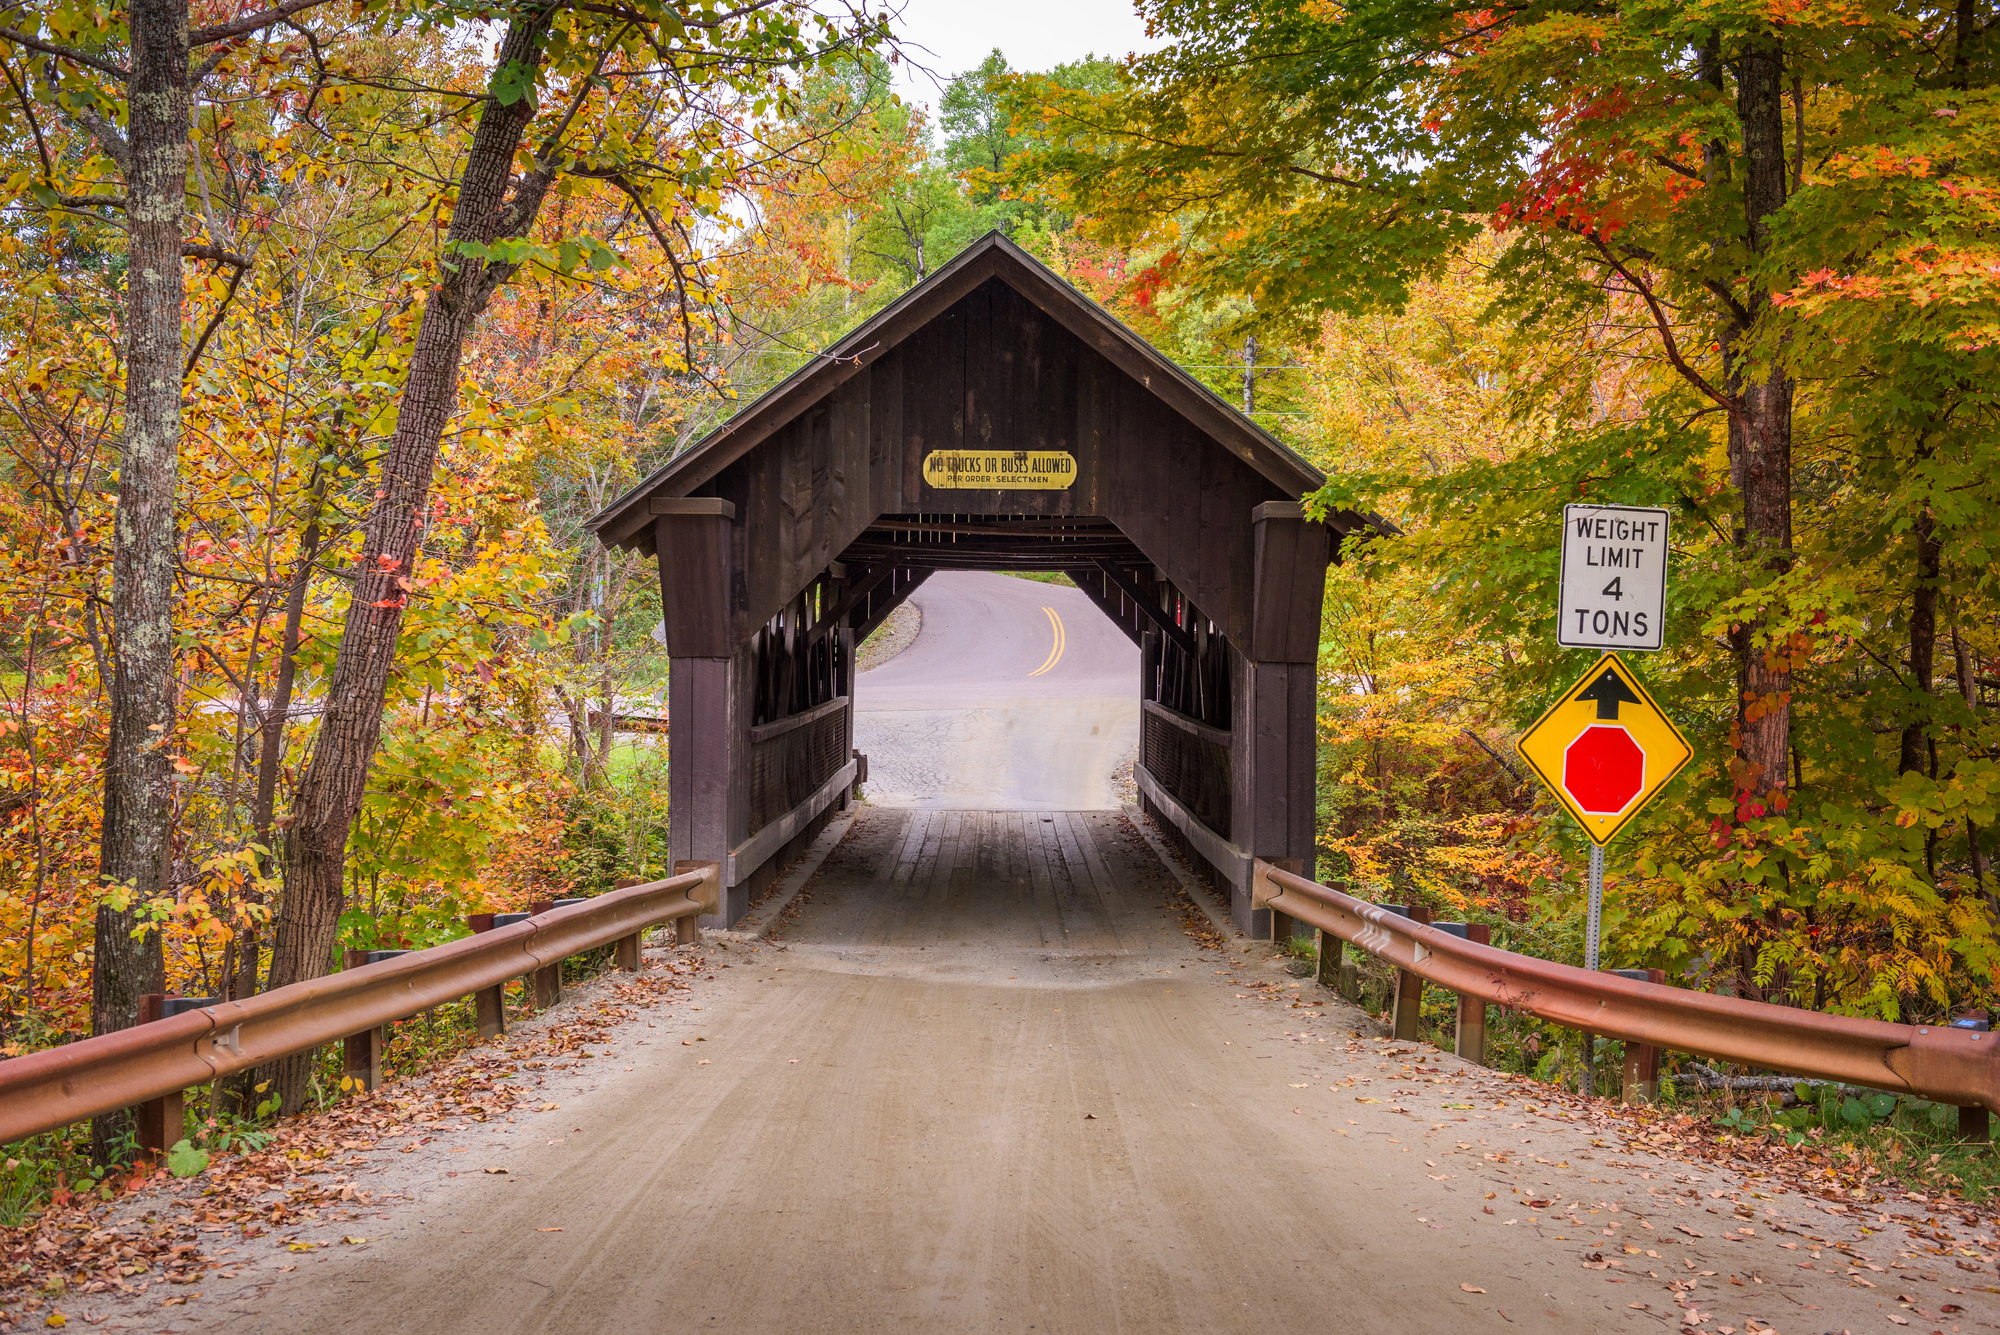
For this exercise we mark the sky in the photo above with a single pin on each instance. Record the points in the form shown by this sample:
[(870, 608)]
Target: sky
[(1034, 35)]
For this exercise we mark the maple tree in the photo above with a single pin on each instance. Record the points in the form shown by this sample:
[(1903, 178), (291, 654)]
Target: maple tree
[(1744, 260)]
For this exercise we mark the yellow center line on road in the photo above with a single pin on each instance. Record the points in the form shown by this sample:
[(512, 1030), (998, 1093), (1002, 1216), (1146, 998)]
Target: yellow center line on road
[(1055, 654)]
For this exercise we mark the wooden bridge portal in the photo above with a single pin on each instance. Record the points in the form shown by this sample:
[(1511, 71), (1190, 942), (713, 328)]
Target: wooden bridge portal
[(992, 418)]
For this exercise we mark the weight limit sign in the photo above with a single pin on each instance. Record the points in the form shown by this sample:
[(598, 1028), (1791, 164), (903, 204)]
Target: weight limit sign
[(1614, 578)]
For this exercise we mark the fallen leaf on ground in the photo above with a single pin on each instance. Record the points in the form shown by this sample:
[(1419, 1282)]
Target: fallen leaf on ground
[(354, 1241), (548, 1230), (1472, 1288), (496, 1170)]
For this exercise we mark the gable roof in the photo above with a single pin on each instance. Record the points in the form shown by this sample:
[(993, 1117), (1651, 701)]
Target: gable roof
[(624, 522)]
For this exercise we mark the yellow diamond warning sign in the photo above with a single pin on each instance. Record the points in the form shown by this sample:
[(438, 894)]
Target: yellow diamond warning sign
[(1605, 748)]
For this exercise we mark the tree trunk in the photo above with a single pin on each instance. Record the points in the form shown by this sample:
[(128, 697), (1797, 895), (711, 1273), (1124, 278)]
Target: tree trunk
[(1915, 751), (1760, 442), (136, 847), (329, 794), (271, 745), (1968, 690)]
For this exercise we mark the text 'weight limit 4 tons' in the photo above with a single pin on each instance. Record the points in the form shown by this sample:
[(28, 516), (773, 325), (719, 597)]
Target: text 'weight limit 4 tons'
[(1614, 578)]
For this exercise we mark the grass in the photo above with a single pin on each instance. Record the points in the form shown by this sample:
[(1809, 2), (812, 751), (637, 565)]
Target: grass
[(1042, 576)]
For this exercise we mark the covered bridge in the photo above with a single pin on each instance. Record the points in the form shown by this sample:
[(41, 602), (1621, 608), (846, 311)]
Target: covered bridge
[(991, 418)]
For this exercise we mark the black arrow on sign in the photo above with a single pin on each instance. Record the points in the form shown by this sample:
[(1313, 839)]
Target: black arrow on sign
[(1609, 691)]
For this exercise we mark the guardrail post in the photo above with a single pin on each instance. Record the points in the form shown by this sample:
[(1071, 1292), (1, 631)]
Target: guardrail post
[(1329, 964), (489, 1004), (687, 929), (1471, 1037), (1283, 925), (1641, 1083), (625, 950), (547, 979), (159, 1120), (1975, 1123), (362, 1053), (1408, 1017)]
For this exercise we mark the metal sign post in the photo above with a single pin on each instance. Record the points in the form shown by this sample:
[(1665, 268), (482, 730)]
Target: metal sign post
[(1590, 936), (1605, 749)]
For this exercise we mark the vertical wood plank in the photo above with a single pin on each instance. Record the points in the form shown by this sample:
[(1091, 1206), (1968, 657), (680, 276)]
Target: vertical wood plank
[(885, 434)]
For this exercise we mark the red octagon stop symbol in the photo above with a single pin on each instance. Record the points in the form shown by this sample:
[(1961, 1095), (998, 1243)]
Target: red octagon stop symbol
[(1604, 769)]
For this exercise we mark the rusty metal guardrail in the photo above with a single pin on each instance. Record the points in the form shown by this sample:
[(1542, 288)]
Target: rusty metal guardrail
[(1949, 1065), (58, 1086)]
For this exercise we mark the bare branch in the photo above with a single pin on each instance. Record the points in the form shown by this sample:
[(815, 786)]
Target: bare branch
[(249, 23), (107, 137), (1666, 330), (192, 251), (61, 52), (221, 310)]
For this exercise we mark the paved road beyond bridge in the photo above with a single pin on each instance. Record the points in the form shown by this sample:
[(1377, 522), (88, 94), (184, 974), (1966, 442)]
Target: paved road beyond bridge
[(1016, 696), (988, 1082)]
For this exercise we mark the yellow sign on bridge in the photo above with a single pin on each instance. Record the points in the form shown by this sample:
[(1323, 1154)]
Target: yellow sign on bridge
[(1014, 470)]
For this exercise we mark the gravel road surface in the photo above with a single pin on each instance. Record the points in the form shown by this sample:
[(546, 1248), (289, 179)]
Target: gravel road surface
[(987, 1082)]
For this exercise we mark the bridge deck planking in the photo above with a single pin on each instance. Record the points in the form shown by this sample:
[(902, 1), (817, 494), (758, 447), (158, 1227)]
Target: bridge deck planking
[(1001, 877)]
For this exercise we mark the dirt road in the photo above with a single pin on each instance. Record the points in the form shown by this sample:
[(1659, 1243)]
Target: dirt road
[(987, 1082)]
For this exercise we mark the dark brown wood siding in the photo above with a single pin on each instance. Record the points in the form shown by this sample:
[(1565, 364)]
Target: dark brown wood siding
[(1191, 762), (790, 760)]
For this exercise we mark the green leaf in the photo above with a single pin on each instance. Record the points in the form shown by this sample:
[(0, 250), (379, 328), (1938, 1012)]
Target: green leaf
[(512, 82), (184, 1160)]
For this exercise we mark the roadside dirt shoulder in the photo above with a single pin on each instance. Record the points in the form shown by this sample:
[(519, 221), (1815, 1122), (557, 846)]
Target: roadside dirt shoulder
[(168, 1250)]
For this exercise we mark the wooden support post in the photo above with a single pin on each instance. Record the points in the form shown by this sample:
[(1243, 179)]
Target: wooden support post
[(489, 1004), (159, 1120), (1471, 1039), (1408, 1017), (687, 931), (547, 980), (362, 1053), (1641, 1080)]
